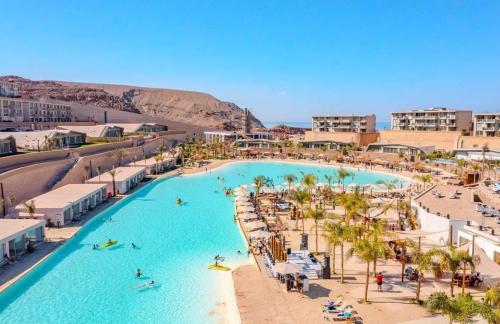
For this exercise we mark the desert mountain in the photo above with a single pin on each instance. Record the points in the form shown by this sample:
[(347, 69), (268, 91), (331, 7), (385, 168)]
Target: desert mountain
[(182, 106)]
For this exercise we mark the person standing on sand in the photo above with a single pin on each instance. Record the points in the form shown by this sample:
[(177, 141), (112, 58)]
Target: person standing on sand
[(380, 279)]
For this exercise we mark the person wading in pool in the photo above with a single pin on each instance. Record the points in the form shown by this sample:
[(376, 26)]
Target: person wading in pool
[(138, 274)]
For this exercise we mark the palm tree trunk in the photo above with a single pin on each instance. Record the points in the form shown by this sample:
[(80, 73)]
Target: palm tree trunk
[(419, 282), (451, 283), (463, 281), (367, 280), (316, 234), (302, 216), (334, 250), (375, 267), (342, 263)]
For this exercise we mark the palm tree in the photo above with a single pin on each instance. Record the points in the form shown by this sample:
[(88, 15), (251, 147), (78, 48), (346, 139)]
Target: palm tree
[(454, 260), (389, 185), (329, 179), (29, 207), (425, 178), (99, 171), (112, 173), (157, 162), (12, 200), (258, 182), (377, 234), (492, 296), (423, 262), (342, 174), (369, 251), (290, 179), (462, 308), (86, 169), (353, 205), (484, 149), (338, 233), (309, 180), (299, 146), (301, 197), (316, 215)]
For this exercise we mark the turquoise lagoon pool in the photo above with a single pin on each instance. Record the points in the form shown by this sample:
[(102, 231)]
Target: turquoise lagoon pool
[(77, 284)]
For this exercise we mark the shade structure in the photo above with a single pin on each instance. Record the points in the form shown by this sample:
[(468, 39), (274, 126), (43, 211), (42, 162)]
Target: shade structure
[(248, 216), (244, 204), (287, 268), (253, 226), (246, 209), (259, 234)]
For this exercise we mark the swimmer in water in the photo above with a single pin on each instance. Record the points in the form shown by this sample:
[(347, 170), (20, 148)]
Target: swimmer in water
[(178, 201), (138, 274), (133, 245)]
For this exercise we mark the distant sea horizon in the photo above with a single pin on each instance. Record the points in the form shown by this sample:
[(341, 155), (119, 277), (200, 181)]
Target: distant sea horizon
[(307, 124)]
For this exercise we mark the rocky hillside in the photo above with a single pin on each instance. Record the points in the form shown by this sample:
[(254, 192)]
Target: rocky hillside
[(183, 106)]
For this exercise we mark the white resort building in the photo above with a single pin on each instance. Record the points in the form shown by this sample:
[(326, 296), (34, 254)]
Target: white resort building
[(153, 166), (344, 123), (24, 110), (224, 136), (487, 124), (64, 204), (17, 234), (132, 128), (125, 178), (96, 131), (47, 139), (432, 119)]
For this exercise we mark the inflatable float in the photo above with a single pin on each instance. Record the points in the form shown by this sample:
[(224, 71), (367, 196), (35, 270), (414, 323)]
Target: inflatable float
[(109, 243), (218, 267)]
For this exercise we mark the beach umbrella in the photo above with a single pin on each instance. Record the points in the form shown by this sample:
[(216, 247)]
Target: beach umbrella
[(266, 190), (287, 268), (244, 204), (246, 209), (258, 234), (248, 216), (255, 225)]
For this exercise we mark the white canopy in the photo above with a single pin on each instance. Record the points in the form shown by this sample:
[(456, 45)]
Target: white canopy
[(248, 216), (287, 268), (259, 234), (255, 225)]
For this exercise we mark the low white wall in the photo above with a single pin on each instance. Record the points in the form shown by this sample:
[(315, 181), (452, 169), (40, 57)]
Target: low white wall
[(438, 227), (487, 245)]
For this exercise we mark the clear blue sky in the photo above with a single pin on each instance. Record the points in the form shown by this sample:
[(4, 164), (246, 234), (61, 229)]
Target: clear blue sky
[(285, 60)]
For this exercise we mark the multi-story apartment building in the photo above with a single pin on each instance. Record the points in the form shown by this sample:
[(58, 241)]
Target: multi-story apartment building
[(8, 90), (344, 124), (487, 124), (432, 119), (25, 110)]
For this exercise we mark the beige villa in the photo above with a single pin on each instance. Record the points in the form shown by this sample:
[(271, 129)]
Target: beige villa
[(17, 234), (47, 139), (125, 178), (64, 204), (7, 144), (96, 131)]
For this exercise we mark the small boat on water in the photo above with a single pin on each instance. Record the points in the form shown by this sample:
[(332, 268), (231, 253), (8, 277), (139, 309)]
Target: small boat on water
[(109, 243)]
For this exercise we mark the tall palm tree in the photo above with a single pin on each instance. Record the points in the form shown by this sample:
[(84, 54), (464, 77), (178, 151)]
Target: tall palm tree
[(484, 149), (258, 182), (301, 197), (157, 163), (353, 205), (389, 185), (86, 169), (369, 251), (454, 260), (99, 171), (309, 180), (424, 262), (316, 215), (329, 179), (12, 200), (112, 173), (338, 233), (377, 234), (290, 180), (342, 174), (29, 207)]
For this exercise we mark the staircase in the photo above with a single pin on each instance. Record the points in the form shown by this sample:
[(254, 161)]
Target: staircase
[(61, 174)]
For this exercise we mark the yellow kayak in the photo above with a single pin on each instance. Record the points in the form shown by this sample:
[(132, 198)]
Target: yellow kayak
[(108, 244), (218, 267)]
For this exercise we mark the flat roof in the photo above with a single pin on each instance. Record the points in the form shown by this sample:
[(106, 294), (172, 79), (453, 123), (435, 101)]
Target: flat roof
[(462, 208), (122, 173), (65, 195), (149, 162), (11, 227), (90, 130)]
